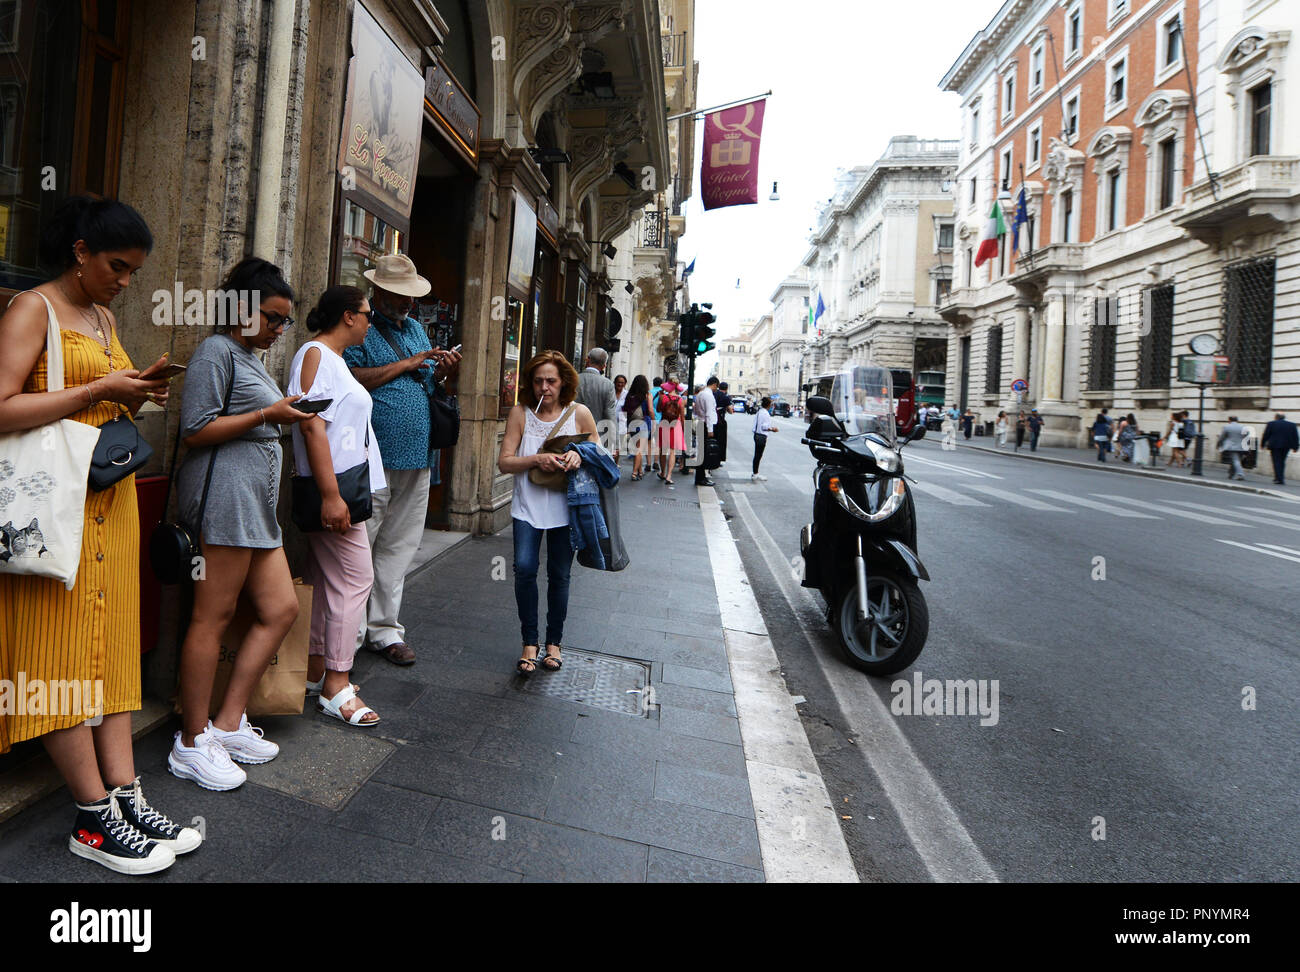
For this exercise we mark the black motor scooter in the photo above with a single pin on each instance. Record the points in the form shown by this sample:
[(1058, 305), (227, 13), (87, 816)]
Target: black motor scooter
[(860, 549)]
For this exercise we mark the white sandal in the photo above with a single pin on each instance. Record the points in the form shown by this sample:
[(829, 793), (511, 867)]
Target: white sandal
[(335, 705), (314, 688)]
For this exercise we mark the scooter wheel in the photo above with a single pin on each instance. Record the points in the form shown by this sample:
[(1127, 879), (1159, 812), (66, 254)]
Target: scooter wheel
[(894, 633)]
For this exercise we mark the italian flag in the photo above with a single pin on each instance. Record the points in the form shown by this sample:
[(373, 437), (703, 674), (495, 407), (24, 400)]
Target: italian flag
[(994, 228)]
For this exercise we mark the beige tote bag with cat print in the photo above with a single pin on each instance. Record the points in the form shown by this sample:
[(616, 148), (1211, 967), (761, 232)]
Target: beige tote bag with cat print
[(43, 474)]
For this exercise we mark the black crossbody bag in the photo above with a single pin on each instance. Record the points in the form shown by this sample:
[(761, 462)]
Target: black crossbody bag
[(354, 489), (174, 546), (444, 410)]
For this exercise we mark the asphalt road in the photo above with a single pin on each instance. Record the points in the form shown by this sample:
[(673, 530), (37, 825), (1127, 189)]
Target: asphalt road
[(1125, 747)]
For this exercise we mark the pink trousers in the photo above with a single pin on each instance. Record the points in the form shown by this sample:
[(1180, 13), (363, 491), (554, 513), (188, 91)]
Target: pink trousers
[(341, 576)]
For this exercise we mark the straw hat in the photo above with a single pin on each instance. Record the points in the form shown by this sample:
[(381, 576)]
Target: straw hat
[(396, 273)]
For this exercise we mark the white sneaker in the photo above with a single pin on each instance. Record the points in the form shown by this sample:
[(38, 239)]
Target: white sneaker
[(759, 479), (207, 763), (245, 744)]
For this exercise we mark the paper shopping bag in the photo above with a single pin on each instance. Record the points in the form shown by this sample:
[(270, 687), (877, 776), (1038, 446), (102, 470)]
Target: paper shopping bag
[(283, 686)]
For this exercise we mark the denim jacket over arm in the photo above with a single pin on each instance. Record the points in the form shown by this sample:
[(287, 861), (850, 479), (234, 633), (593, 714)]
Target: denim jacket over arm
[(586, 521)]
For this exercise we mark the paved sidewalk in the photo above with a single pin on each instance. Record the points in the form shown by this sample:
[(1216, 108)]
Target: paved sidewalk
[(475, 774), (1258, 480)]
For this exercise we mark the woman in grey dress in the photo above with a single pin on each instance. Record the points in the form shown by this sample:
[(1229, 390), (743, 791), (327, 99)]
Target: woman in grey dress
[(239, 536)]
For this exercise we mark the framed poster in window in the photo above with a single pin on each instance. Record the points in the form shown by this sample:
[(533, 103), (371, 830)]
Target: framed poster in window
[(510, 350)]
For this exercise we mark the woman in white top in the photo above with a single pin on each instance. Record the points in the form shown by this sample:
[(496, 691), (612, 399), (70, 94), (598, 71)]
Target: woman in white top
[(1001, 429), (337, 439), (620, 396), (547, 387)]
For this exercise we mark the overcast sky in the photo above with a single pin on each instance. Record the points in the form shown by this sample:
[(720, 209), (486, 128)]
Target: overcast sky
[(845, 75)]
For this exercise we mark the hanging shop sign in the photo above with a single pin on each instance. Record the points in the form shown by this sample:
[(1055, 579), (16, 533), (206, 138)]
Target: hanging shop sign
[(729, 170), (548, 220), (453, 110), (380, 150), (523, 249)]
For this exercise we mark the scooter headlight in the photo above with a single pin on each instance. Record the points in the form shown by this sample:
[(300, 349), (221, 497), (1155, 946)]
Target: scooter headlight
[(886, 458), (897, 493)]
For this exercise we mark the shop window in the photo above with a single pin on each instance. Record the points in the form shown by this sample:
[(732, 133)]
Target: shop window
[(1156, 344), (1248, 321), (364, 238)]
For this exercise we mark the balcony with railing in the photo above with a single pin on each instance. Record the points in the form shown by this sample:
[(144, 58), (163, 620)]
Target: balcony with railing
[(674, 47), (654, 235), (1257, 193)]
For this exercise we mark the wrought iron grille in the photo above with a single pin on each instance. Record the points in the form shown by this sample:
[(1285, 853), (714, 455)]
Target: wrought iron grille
[(1248, 321), (1158, 340), (1101, 345), (652, 229), (993, 365), (674, 46)]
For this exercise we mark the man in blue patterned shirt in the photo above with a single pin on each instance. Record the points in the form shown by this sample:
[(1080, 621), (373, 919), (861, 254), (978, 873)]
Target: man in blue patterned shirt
[(393, 365)]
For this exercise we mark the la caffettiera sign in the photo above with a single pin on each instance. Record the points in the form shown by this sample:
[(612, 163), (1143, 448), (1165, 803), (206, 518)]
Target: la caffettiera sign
[(729, 170)]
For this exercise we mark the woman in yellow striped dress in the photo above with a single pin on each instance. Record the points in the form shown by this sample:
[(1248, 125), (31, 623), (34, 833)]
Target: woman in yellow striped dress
[(91, 634)]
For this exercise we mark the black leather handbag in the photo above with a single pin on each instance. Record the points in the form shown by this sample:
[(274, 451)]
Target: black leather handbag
[(354, 488), (119, 452), (174, 547)]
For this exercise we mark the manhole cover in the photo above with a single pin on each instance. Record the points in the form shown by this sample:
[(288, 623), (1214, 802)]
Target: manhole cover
[(601, 681), (666, 501)]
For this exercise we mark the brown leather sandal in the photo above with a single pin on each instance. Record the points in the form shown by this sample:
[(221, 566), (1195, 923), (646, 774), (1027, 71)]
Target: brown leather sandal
[(530, 662), (548, 657)]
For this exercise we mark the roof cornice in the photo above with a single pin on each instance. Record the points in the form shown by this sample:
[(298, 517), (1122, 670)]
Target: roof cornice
[(984, 44)]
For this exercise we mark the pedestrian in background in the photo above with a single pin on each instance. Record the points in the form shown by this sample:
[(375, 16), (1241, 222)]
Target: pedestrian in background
[(950, 418), (762, 428), (598, 394), (706, 409), (1280, 437), (638, 415), (1022, 424), (1101, 434), (52, 635), (654, 432), (548, 389), (1000, 427), (1174, 439), (1232, 443), (230, 419), (399, 368), (620, 396), (671, 434), (339, 438), (723, 401), (1126, 435), (1035, 422), (967, 423)]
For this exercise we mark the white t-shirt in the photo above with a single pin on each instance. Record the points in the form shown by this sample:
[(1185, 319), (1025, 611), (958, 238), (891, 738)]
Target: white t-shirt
[(347, 420)]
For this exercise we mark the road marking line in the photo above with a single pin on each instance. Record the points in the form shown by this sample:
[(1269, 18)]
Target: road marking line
[(936, 832), (1253, 518), (1254, 549), (799, 834), (1010, 497), (1094, 505), (947, 495), (913, 457), (1166, 509), (1260, 509), (1274, 546)]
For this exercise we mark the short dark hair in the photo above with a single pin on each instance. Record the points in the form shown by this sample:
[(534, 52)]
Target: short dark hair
[(766, 402), (713, 380), (329, 310), (254, 273), (657, 382), (722, 385), (104, 224)]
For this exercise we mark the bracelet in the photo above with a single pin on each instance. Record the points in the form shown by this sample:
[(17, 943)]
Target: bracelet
[(262, 412)]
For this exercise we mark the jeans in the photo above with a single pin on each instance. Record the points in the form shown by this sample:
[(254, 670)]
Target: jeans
[(1033, 439), (559, 562), (760, 443)]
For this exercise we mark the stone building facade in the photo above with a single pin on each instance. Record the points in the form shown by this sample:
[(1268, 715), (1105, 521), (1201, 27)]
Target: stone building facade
[(1135, 246)]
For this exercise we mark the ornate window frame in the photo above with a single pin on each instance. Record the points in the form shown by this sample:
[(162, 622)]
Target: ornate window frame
[(1007, 77), (1075, 95), (1070, 56), (1161, 115), (1109, 151), (1166, 70), (1063, 169), (1037, 52), (1035, 130), (1254, 55)]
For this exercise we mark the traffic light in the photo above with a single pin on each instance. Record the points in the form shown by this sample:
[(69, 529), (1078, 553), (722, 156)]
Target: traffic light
[(703, 331), (686, 336)]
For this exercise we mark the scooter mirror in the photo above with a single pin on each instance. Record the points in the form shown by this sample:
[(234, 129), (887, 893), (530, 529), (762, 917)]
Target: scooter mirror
[(820, 405), (918, 432)]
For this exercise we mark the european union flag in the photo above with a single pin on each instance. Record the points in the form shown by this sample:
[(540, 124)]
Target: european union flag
[(1020, 218)]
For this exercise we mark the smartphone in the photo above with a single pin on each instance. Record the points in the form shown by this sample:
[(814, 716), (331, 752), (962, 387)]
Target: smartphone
[(167, 372), (457, 348), (311, 408)]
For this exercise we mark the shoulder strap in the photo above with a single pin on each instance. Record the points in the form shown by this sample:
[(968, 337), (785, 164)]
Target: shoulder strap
[(53, 345), (387, 335), (560, 423)]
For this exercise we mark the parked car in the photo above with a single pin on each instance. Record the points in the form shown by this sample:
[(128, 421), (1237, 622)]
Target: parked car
[(781, 410), (738, 407)]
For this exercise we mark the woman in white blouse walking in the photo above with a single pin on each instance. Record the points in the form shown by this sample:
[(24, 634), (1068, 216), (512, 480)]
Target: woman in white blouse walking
[(338, 439), (547, 387)]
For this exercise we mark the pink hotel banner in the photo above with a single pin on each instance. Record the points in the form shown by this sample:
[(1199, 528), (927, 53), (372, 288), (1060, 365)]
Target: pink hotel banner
[(729, 169)]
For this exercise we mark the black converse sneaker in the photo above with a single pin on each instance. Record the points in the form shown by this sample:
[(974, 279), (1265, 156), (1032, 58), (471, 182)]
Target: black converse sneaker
[(154, 824), (103, 835)]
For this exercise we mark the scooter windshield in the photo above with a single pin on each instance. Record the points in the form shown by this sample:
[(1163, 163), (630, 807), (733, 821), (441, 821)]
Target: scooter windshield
[(864, 401)]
